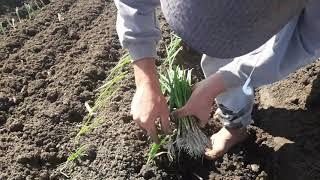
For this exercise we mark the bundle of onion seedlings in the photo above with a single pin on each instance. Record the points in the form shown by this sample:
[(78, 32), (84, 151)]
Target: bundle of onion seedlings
[(176, 83)]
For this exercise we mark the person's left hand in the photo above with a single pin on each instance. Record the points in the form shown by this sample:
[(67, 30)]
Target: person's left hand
[(201, 100)]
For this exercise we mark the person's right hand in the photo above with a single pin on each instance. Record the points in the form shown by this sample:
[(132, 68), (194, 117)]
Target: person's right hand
[(202, 98), (148, 103)]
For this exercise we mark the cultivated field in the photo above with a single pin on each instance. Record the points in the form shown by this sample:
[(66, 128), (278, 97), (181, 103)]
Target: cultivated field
[(57, 123)]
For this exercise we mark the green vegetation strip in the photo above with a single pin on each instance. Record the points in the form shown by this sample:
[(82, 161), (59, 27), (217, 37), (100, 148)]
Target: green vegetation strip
[(95, 117), (107, 91), (29, 9)]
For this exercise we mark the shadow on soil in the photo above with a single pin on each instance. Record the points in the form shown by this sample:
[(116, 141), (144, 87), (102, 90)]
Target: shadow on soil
[(298, 157)]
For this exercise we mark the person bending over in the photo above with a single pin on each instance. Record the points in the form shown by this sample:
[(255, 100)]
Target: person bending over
[(276, 37)]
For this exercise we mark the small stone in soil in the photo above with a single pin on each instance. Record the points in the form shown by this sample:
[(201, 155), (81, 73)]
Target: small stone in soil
[(255, 167), (16, 126)]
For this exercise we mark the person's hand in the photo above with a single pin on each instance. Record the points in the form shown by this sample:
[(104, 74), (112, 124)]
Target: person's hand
[(148, 103), (201, 100)]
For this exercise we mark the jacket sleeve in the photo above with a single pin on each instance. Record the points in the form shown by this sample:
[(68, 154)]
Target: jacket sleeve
[(295, 46), (137, 27)]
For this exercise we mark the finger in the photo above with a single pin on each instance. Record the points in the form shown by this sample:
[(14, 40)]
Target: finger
[(152, 131), (138, 122), (211, 154), (179, 113), (165, 126)]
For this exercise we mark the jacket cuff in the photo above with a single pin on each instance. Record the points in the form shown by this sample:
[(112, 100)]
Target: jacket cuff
[(142, 50), (230, 79)]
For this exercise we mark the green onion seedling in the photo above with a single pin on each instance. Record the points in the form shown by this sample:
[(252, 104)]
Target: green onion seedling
[(42, 3), (38, 7), (2, 28), (17, 13), (29, 10), (153, 153), (77, 154), (12, 23), (107, 91), (189, 138), (176, 83)]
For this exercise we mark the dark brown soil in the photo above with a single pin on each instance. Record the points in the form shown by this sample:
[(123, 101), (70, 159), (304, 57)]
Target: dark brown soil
[(50, 68)]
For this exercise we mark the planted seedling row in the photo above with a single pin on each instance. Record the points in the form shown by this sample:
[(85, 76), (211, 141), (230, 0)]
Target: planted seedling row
[(27, 11)]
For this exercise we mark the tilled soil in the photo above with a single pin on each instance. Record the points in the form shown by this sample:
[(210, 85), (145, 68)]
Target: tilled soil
[(50, 68)]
